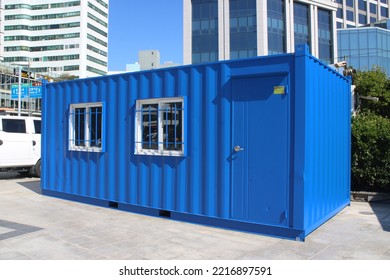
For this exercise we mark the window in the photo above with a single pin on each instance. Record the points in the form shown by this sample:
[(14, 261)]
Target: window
[(362, 5), (276, 26), (373, 8), (14, 125), (243, 33), (325, 36), (384, 12), (350, 16), (160, 127), (301, 24), (204, 31), (362, 19), (339, 13), (86, 127), (37, 126)]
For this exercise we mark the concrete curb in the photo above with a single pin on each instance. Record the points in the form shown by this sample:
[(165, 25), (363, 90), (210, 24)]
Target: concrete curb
[(370, 197)]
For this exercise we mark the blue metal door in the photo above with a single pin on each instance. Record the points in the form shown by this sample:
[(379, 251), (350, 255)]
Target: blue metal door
[(260, 149)]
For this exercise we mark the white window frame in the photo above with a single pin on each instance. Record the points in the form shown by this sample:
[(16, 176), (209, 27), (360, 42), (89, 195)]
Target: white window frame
[(87, 128), (160, 151)]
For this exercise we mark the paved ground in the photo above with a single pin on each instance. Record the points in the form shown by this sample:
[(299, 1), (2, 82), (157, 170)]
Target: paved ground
[(33, 226)]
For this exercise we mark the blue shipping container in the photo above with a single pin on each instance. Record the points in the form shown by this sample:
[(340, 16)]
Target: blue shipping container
[(260, 144)]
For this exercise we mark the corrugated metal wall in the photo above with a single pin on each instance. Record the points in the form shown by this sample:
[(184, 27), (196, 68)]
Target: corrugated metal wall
[(197, 183), (322, 142), (200, 182), (327, 160)]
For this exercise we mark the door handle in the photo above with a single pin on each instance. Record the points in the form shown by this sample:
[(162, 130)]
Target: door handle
[(238, 149), (1, 142), (34, 143)]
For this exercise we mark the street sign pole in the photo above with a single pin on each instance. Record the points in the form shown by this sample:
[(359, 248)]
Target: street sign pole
[(19, 89)]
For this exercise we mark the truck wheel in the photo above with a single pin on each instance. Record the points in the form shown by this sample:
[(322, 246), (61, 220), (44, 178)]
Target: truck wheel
[(38, 168)]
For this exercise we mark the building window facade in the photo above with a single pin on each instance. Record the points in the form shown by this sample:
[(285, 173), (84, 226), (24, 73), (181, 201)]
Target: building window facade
[(45, 25), (362, 5), (325, 36), (276, 16), (243, 28), (259, 27), (301, 24), (160, 127), (86, 123), (365, 48), (204, 31)]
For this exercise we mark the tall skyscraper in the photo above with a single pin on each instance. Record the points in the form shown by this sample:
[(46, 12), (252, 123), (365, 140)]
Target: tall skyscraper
[(354, 13), (228, 29), (56, 37)]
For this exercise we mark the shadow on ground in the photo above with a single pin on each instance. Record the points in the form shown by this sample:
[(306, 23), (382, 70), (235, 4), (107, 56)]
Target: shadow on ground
[(379, 203), (34, 186), (382, 212)]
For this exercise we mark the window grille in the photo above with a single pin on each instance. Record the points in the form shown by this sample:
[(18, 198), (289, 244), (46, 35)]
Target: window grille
[(160, 127), (86, 127)]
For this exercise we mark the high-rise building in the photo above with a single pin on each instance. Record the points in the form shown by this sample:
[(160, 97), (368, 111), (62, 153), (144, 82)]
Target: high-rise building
[(228, 29), (354, 13), (56, 37)]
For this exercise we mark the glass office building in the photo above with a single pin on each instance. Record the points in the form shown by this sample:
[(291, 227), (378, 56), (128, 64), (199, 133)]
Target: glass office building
[(354, 13), (366, 47), (230, 29)]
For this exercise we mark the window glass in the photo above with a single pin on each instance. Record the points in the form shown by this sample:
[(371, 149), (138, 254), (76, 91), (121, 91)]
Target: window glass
[(79, 126), (37, 126), (362, 19), (301, 24), (362, 5), (95, 127), (86, 127), (350, 16), (204, 31), (159, 127), (14, 125), (339, 13), (384, 12), (149, 126), (373, 8), (172, 118), (243, 31), (325, 40), (276, 27)]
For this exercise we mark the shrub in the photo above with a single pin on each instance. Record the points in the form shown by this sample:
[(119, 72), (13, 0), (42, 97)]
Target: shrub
[(371, 153), (374, 83)]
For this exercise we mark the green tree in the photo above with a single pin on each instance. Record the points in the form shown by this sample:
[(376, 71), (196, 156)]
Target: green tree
[(371, 133), (373, 83), (370, 153)]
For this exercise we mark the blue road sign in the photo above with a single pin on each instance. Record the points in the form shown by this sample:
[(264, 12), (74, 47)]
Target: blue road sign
[(35, 91)]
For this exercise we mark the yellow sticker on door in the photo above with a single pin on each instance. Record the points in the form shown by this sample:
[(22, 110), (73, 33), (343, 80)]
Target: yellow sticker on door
[(279, 90)]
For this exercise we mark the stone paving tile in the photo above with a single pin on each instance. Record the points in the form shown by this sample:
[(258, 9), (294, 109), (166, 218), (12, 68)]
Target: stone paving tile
[(70, 230)]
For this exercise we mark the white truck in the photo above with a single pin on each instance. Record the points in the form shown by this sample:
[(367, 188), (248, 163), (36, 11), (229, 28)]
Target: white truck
[(20, 145)]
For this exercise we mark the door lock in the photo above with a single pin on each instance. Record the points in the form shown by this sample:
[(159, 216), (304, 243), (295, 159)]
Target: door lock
[(238, 149)]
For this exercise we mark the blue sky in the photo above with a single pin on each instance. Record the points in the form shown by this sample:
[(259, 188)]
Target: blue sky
[(136, 25)]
